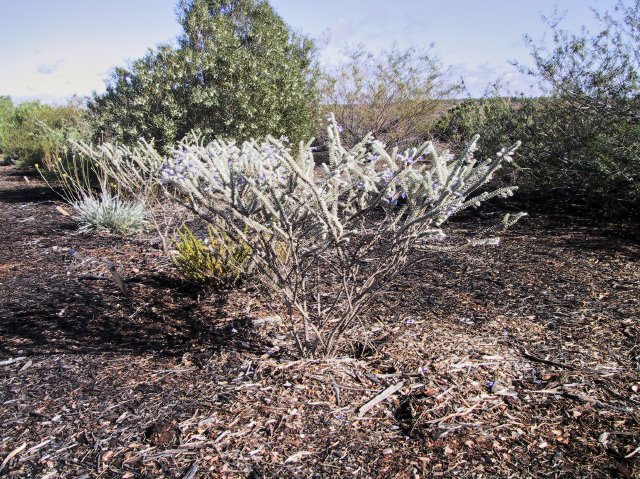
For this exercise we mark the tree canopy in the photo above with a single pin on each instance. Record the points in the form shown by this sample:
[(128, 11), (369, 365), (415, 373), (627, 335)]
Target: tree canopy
[(237, 71)]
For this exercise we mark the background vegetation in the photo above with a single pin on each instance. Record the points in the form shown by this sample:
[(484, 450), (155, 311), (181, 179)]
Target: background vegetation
[(397, 95), (238, 71), (581, 141), (32, 132)]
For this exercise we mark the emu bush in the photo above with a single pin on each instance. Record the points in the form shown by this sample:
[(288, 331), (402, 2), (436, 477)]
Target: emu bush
[(327, 241), (6, 108)]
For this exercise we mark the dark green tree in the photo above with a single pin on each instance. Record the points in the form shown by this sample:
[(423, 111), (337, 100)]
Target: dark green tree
[(238, 71), (144, 100)]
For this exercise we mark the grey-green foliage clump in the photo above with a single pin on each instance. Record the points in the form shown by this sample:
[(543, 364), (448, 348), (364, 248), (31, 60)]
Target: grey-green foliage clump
[(571, 156), (107, 211), (107, 189), (327, 241), (238, 71)]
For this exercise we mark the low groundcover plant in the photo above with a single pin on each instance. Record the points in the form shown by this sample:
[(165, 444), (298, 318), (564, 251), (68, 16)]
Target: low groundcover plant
[(328, 239), (97, 199), (106, 211), (216, 260)]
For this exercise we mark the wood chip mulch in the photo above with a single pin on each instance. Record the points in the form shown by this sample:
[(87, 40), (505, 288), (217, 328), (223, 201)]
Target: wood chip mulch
[(516, 361)]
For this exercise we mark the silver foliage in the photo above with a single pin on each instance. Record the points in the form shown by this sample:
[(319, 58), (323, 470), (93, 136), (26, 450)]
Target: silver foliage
[(327, 239)]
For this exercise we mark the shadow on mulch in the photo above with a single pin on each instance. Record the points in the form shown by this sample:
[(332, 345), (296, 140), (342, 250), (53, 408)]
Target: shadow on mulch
[(25, 186), (78, 318), (28, 194)]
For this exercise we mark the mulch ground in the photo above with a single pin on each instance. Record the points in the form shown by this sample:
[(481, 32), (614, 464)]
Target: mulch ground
[(516, 361)]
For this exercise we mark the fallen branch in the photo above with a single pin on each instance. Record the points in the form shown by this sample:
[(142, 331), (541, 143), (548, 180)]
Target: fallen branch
[(95, 277), (6, 362), (537, 359), (390, 391), (633, 453), (192, 471), (12, 454)]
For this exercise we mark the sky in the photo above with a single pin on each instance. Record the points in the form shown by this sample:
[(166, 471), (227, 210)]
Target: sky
[(54, 49)]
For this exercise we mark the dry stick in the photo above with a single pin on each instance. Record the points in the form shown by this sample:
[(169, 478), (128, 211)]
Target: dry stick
[(633, 453), (530, 356), (192, 471), (390, 391), (6, 362), (12, 454), (455, 414), (117, 278), (603, 405)]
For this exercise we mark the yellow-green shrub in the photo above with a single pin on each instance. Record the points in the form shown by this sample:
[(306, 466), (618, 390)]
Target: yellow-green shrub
[(37, 133), (218, 260)]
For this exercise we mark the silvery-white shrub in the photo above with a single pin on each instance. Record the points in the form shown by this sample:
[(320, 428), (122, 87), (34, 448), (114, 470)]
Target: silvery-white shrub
[(328, 239)]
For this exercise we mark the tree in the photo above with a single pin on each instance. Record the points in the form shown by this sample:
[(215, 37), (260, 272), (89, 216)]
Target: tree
[(144, 100), (238, 71), (396, 95)]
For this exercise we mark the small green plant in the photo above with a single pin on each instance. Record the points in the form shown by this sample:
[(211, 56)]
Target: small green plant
[(215, 260)]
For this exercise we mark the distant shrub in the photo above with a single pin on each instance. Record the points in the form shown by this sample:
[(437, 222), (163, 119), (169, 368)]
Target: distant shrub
[(583, 140), (495, 119), (216, 259), (39, 134), (397, 95), (571, 156), (6, 110)]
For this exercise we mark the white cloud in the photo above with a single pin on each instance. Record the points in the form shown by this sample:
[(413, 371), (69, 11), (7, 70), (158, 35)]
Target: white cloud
[(49, 69)]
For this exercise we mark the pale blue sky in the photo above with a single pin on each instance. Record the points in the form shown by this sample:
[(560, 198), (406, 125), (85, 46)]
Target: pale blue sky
[(52, 49)]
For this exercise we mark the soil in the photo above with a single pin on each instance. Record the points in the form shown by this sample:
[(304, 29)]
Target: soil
[(516, 361)]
